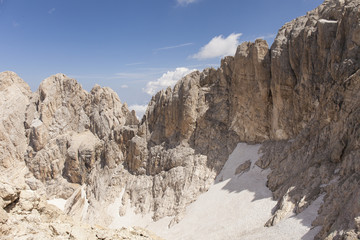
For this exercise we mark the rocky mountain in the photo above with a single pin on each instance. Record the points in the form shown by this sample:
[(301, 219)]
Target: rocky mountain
[(299, 99)]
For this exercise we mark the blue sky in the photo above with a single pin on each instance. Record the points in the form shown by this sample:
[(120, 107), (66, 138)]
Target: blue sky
[(133, 46)]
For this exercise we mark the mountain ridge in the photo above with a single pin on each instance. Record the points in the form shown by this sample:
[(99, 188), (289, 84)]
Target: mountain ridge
[(300, 98)]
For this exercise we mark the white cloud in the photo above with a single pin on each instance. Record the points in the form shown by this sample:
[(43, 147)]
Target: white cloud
[(139, 110), (51, 11), (185, 2), (124, 86), (219, 47), (167, 79)]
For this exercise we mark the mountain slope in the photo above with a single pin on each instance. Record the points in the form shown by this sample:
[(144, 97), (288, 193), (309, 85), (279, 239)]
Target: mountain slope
[(300, 99)]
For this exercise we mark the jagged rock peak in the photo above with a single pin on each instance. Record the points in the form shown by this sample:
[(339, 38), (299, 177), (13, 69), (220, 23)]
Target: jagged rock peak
[(9, 78), (51, 140)]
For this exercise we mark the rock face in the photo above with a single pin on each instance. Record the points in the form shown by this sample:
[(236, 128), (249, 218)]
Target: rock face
[(308, 56), (300, 98), (316, 105), (26, 215), (14, 96), (51, 128), (69, 129)]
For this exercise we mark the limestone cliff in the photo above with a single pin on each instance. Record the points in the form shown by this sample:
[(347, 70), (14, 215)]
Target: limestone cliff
[(303, 89), (45, 135), (300, 98)]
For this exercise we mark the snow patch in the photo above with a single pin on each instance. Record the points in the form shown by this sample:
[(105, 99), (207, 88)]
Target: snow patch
[(131, 219), (294, 227), (335, 180), (58, 202), (86, 203), (327, 21), (36, 123), (233, 206)]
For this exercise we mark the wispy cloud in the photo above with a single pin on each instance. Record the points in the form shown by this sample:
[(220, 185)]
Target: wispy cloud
[(134, 64), (185, 2), (128, 75), (141, 75), (219, 47), (172, 47), (124, 86), (92, 76), (167, 79), (204, 65), (267, 36), (51, 11)]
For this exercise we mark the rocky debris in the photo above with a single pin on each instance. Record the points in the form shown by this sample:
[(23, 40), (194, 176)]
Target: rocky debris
[(8, 195), (243, 167), (26, 215)]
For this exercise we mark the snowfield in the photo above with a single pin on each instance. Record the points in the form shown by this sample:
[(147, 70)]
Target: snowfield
[(236, 206)]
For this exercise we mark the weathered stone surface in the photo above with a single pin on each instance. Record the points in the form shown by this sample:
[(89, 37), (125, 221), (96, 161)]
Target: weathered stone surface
[(301, 78), (14, 96), (52, 129), (316, 102), (29, 216), (250, 99), (8, 195), (243, 167), (71, 129)]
